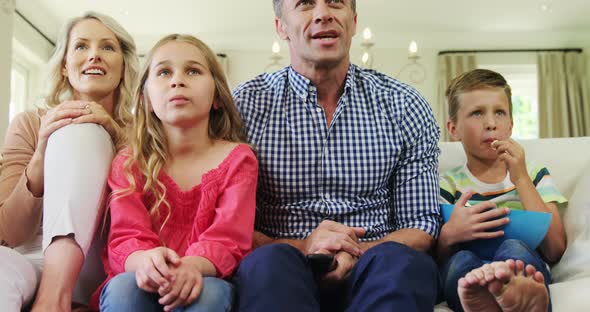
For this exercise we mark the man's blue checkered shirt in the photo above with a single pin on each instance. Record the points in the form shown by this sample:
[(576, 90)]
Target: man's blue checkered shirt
[(375, 166)]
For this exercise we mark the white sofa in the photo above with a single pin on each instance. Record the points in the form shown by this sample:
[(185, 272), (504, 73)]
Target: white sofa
[(568, 161)]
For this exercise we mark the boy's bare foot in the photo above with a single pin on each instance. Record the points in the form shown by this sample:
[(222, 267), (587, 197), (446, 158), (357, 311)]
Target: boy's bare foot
[(473, 290), (516, 291)]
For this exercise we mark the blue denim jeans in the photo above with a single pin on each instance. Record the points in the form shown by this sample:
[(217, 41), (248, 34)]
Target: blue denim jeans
[(122, 294), (388, 277), (464, 261)]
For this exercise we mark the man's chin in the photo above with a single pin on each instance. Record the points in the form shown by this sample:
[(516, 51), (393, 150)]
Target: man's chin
[(330, 60)]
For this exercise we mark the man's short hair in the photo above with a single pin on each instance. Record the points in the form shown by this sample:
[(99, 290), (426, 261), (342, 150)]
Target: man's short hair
[(278, 7), (476, 79)]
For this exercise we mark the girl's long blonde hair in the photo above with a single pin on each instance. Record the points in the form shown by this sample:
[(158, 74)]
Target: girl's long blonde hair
[(60, 88), (147, 139)]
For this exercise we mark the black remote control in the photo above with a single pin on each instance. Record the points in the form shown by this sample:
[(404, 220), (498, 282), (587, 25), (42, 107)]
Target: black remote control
[(321, 263)]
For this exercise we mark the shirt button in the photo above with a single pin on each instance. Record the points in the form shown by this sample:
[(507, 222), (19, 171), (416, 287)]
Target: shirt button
[(319, 110), (327, 196)]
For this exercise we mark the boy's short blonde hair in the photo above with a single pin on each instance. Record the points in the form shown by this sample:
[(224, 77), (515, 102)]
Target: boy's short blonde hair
[(476, 79)]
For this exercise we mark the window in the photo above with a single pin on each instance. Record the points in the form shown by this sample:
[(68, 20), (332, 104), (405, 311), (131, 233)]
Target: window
[(28, 72), (18, 89), (522, 78)]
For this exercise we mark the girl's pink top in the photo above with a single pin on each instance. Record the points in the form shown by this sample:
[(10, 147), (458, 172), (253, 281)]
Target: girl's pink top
[(214, 219)]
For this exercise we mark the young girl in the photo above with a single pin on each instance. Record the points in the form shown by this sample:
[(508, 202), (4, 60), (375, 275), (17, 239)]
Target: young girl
[(182, 211)]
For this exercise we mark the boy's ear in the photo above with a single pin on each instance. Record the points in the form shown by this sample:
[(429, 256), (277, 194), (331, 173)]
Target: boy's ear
[(452, 129)]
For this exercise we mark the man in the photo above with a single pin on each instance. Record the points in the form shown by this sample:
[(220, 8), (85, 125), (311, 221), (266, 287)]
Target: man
[(348, 167)]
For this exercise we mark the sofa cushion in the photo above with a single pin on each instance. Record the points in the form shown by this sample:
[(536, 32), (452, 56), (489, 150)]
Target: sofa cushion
[(575, 262)]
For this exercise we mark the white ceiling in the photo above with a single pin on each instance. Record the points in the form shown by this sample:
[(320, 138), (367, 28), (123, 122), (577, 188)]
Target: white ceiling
[(238, 24)]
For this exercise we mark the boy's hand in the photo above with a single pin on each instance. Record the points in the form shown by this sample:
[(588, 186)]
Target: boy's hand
[(153, 269), (186, 285), (512, 154), (471, 223)]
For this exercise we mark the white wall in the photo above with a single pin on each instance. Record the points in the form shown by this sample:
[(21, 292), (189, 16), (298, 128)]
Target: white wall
[(6, 16), (392, 61)]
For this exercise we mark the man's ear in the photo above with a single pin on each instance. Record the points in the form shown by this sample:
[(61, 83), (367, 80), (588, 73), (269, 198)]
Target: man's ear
[(355, 24), (280, 28), (452, 129)]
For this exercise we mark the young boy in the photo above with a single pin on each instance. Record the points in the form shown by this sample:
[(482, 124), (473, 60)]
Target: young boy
[(496, 175)]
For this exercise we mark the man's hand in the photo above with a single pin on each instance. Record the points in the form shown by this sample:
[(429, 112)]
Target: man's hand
[(331, 237), (344, 264)]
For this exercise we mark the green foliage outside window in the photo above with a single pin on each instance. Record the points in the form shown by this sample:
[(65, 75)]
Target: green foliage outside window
[(526, 123)]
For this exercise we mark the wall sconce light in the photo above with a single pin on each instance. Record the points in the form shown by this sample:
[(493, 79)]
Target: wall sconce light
[(416, 71), (275, 57), (366, 44)]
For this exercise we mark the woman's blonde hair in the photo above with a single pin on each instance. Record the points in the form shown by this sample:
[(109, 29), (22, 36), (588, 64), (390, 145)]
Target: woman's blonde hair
[(60, 88), (148, 146)]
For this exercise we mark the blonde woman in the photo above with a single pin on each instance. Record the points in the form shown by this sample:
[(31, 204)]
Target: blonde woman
[(55, 162), (184, 193)]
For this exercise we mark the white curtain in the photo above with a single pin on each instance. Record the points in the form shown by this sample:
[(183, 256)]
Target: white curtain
[(449, 67), (564, 98)]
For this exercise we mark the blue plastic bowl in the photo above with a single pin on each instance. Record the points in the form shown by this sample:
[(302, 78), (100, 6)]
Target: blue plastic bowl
[(527, 226)]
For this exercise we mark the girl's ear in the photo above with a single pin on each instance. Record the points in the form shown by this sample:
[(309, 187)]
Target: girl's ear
[(216, 104)]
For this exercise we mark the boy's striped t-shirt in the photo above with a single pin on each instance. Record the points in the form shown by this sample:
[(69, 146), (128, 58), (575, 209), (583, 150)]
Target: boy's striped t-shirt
[(459, 180)]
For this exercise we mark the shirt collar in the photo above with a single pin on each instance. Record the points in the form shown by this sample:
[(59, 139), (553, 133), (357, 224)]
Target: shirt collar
[(303, 86)]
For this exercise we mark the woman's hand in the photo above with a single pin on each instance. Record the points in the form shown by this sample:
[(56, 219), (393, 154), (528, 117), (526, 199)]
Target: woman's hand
[(153, 268), (471, 223), (98, 115), (186, 285), (55, 118)]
